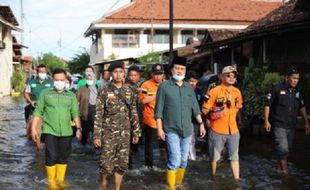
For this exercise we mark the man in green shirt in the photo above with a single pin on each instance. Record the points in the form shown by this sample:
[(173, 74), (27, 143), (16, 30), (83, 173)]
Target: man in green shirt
[(56, 106), (33, 89), (176, 103)]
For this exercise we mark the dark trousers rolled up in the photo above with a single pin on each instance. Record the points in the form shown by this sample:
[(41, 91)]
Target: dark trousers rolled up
[(88, 125), (151, 140)]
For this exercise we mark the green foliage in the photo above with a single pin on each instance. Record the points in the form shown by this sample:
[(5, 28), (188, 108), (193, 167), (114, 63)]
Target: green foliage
[(257, 81), (17, 81), (79, 62), (112, 56), (150, 58), (51, 61)]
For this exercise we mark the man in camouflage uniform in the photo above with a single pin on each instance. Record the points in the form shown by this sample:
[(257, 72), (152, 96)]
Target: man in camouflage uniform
[(133, 78), (116, 117)]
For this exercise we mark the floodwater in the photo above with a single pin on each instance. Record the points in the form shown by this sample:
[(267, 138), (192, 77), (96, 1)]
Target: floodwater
[(22, 168)]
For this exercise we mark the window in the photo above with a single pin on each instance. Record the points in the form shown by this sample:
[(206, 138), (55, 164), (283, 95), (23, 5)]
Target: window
[(185, 35), (160, 36), (125, 39)]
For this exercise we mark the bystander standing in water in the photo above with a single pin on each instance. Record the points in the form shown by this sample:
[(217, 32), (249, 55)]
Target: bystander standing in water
[(283, 104)]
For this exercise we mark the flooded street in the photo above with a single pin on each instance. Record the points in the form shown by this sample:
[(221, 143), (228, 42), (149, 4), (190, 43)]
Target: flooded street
[(22, 168)]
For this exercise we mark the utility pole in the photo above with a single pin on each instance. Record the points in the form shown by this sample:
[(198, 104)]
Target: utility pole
[(170, 31), (152, 27), (21, 21), (59, 43)]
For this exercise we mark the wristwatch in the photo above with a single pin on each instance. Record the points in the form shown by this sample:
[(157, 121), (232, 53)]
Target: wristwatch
[(79, 128)]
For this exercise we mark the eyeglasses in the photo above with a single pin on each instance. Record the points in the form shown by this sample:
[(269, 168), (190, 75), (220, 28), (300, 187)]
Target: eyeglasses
[(231, 76)]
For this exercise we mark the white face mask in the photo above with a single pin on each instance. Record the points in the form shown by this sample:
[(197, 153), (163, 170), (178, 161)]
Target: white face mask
[(178, 77), (42, 76), (89, 82), (59, 85)]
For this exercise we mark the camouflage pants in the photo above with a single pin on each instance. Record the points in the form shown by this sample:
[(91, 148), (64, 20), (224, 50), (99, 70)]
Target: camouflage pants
[(115, 151)]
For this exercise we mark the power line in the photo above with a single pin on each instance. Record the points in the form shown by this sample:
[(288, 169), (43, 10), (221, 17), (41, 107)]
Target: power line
[(113, 6)]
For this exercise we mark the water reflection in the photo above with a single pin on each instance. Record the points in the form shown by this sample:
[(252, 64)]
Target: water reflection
[(22, 168)]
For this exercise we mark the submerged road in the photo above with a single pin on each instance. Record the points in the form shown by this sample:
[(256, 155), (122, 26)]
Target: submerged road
[(22, 168)]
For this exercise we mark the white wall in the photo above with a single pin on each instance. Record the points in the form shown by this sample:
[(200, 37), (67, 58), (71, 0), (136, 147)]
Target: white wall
[(106, 48), (6, 62)]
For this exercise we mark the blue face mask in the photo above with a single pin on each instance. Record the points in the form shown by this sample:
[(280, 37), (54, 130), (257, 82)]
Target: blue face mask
[(178, 77)]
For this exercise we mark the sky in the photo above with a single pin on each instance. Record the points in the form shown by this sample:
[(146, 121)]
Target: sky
[(57, 26)]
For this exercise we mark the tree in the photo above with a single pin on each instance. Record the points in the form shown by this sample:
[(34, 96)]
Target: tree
[(51, 61), (149, 58), (79, 62)]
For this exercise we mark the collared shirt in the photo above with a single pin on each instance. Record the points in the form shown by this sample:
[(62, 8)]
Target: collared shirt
[(149, 88), (175, 105), (35, 86), (285, 103), (57, 109), (115, 112), (227, 124)]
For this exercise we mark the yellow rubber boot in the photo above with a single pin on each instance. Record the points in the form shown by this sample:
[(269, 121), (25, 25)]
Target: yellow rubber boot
[(171, 177), (60, 174), (51, 176), (179, 176)]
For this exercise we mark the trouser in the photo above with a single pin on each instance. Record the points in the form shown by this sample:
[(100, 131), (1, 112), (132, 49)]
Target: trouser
[(192, 144), (57, 149), (132, 151), (151, 139), (28, 110), (88, 125), (178, 148), (283, 139), (115, 151)]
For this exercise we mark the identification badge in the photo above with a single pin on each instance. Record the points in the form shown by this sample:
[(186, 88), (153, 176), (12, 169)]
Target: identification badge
[(48, 85), (297, 94), (282, 92), (33, 85), (111, 95)]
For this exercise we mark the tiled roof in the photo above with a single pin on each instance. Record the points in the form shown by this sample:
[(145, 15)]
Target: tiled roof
[(293, 15), (288, 13), (218, 35), (7, 14), (191, 11)]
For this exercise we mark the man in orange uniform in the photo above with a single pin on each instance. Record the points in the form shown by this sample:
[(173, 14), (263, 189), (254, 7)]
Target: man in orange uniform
[(222, 107), (147, 96)]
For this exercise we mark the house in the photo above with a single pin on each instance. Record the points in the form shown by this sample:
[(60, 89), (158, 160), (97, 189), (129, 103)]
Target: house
[(281, 38), (278, 40), (142, 26), (8, 23)]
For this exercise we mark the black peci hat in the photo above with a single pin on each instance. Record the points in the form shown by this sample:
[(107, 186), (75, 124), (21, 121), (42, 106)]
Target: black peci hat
[(116, 65), (133, 68), (179, 61)]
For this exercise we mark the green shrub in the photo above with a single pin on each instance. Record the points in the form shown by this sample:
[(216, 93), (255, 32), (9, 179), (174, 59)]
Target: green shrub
[(257, 81), (17, 80)]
